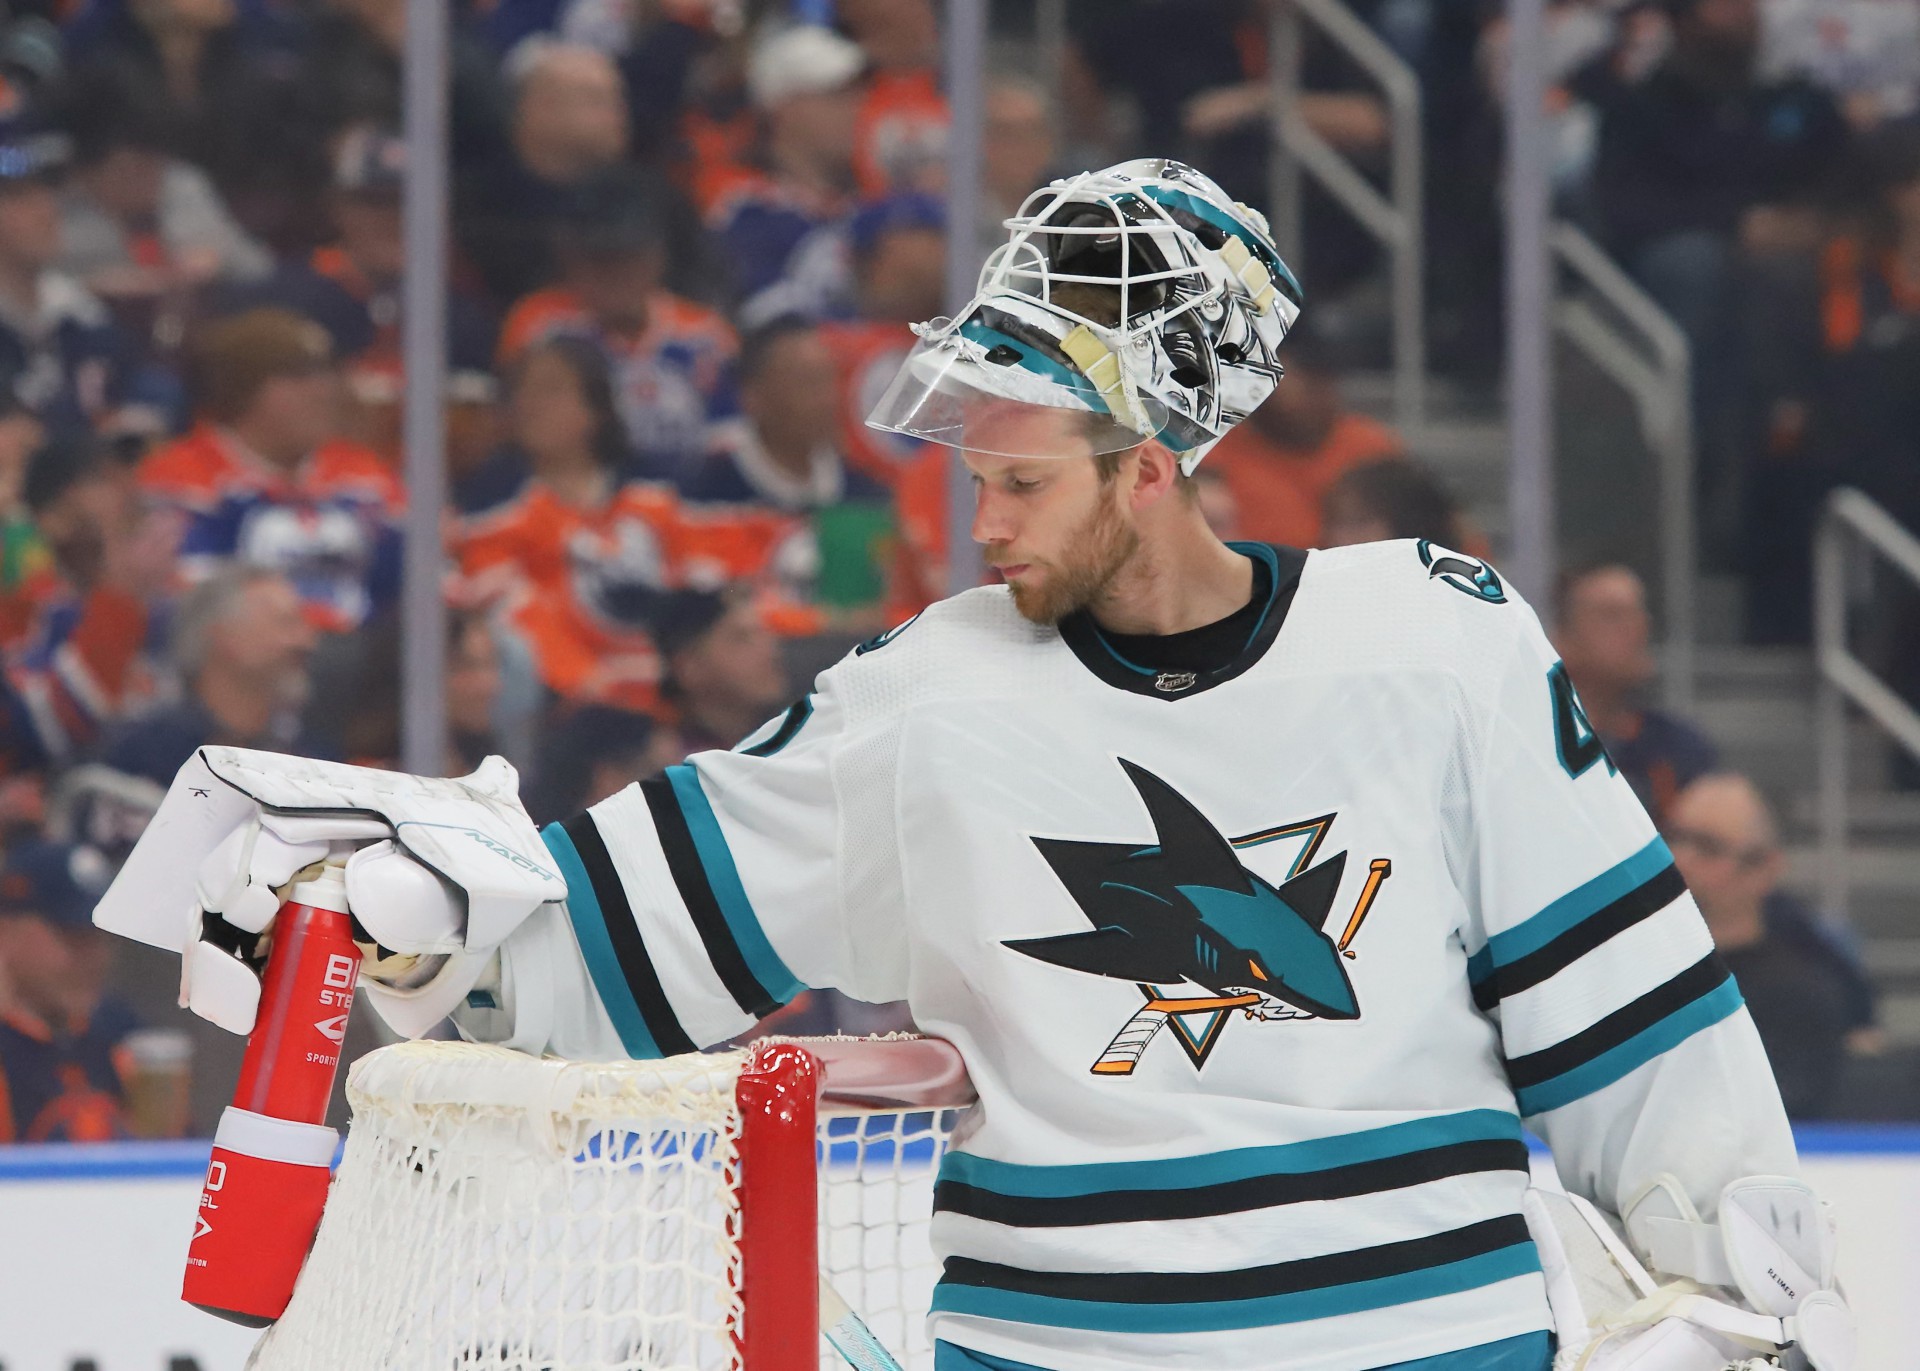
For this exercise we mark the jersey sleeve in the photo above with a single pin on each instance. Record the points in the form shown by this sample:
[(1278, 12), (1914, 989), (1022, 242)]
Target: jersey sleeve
[(702, 900), (1626, 1042)]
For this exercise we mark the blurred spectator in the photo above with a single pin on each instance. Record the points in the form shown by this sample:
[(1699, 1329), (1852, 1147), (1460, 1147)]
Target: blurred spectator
[(1704, 166), (352, 287), (595, 751), (813, 530), (1281, 462), (143, 228), (350, 74), (1704, 150), (240, 652), (723, 672), (75, 631), (225, 75), (1196, 71), (1390, 498), (1603, 633), (1017, 148), (1836, 373), (803, 84), (59, 350), (898, 258), (568, 122), (62, 1039), (262, 480), (1806, 993), (1866, 53), (579, 556), (369, 729), (671, 358), (900, 141), (1579, 34)]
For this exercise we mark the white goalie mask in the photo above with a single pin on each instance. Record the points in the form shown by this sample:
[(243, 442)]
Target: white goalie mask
[(1141, 297)]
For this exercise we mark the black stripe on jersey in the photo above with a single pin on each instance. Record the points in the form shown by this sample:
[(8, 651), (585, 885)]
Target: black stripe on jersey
[(1281, 1278), (1703, 977), (696, 891), (1642, 902), (624, 933), (1232, 1197), (798, 713)]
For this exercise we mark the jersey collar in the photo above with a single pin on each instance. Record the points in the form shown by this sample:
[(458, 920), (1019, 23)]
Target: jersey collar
[(1096, 654)]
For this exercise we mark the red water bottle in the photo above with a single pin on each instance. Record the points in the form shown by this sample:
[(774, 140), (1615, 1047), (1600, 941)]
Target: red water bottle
[(267, 1179)]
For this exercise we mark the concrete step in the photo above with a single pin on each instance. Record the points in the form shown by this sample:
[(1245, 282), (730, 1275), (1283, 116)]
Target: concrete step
[(1900, 1019), (1733, 668), (1893, 959), (1888, 817), (1876, 868)]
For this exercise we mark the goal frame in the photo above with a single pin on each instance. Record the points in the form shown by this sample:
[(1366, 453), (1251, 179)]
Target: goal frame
[(778, 1099), (788, 1085)]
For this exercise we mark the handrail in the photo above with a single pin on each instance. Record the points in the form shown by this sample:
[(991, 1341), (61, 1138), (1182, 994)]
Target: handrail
[(1651, 360), (1394, 219), (1850, 519)]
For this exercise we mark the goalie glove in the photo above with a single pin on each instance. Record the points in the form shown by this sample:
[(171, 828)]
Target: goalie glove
[(1773, 1245), (438, 872)]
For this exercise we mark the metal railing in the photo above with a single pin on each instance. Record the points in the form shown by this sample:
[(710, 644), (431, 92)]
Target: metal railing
[(1639, 346), (1851, 526), (1394, 219)]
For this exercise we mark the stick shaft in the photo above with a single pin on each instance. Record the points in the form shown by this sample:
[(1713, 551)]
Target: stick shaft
[(1377, 873)]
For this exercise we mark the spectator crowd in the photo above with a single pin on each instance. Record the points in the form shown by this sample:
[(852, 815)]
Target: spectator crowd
[(688, 240)]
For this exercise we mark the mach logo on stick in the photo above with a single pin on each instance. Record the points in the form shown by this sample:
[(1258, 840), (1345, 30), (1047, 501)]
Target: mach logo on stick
[(1200, 934)]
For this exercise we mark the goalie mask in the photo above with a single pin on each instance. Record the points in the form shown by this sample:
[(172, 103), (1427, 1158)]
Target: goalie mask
[(1141, 298)]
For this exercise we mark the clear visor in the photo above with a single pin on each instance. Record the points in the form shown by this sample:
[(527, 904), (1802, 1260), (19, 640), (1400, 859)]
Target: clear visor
[(1006, 402)]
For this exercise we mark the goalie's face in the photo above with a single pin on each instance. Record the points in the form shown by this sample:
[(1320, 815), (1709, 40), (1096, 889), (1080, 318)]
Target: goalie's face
[(1057, 529)]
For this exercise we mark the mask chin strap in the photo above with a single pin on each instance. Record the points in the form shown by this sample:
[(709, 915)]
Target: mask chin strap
[(1099, 365)]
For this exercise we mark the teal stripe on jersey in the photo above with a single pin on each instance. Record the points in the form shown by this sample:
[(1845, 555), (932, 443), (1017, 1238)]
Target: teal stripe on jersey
[(1528, 1352), (724, 877), (590, 931), (1220, 1168), (1579, 904), (1634, 1053), (1470, 1273)]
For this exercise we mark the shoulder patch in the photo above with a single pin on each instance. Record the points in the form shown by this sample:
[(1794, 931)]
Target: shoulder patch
[(1468, 575)]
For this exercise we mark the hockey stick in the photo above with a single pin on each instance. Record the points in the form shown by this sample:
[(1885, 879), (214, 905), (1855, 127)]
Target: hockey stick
[(1123, 1053), (849, 1334)]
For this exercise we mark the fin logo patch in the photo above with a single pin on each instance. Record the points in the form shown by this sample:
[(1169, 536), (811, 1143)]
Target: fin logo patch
[(1468, 575), (1203, 938)]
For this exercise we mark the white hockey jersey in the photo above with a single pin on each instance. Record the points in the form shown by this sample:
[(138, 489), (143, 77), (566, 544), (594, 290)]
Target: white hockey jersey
[(1257, 971)]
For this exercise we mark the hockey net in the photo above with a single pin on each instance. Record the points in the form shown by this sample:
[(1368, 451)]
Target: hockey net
[(499, 1212)]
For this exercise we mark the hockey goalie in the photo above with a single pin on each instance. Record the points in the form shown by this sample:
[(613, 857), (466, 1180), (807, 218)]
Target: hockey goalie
[(1269, 895)]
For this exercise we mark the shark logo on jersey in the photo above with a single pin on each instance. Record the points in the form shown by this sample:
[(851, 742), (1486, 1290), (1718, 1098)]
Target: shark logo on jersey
[(1197, 932), (1468, 575)]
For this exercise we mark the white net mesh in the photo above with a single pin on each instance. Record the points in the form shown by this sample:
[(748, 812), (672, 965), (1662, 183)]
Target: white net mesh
[(496, 1212), (876, 1204)]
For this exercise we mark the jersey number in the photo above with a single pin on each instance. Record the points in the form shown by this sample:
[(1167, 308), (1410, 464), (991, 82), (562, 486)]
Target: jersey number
[(1579, 746)]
